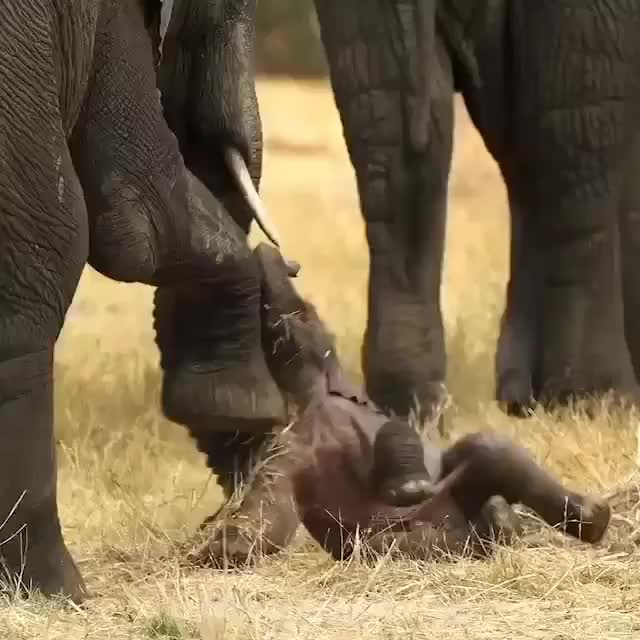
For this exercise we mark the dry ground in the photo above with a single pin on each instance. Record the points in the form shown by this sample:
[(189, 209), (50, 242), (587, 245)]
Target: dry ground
[(132, 487)]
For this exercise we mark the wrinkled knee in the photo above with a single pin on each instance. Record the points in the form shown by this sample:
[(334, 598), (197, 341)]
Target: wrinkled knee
[(19, 373), (26, 351)]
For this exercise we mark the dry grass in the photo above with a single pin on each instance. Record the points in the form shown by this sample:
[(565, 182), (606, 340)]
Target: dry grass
[(132, 487)]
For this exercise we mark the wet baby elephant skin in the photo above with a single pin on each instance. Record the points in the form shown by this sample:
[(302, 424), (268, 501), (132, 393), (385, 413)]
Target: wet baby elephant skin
[(321, 469)]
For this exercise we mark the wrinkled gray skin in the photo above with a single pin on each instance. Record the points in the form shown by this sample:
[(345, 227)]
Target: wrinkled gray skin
[(552, 87), (90, 172)]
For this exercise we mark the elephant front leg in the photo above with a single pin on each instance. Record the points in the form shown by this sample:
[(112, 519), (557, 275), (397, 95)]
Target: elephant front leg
[(571, 136), (32, 549), (398, 125), (403, 356)]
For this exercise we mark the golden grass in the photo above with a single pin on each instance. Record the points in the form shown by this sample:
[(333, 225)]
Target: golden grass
[(132, 487)]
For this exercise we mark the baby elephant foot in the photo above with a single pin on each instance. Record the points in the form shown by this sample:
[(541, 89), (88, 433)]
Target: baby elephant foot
[(500, 522), (232, 545), (399, 473), (587, 519)]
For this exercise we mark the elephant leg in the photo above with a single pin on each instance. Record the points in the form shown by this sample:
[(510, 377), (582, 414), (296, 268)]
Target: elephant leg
[(630, 242), (402, 175), (152, 221), (482, 465), (495, 522), (32, 549), (571, 135), (519, 326), (43, 249)]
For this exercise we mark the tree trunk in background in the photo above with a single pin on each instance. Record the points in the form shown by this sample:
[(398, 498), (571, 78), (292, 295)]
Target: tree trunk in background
[(289, 39)]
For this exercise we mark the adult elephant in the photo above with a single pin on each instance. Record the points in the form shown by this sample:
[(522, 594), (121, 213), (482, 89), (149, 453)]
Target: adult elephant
[(552, 87), (90, 171)]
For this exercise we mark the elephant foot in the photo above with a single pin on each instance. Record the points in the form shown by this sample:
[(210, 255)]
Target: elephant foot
[(587, 519), (33, 555), (622, 397), (519, 391), (514, 394), (241, 541), (233, 546), (409, 397), (46, 567), (499, 522)]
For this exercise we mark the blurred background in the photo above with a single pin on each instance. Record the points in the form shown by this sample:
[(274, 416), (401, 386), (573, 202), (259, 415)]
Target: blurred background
[(289, 39)]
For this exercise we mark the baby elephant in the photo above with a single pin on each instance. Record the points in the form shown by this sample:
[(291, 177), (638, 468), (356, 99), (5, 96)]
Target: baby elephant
[(320, 468)]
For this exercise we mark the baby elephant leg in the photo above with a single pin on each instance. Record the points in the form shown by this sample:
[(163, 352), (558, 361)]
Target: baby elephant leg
[(489, 465), (265, 521), (496, 522), (427, 542)]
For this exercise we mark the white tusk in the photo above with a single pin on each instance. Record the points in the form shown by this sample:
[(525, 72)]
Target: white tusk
[(240, 172), (165, 17)]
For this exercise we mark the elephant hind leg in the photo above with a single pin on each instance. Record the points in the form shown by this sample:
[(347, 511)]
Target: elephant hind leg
[(572, 131)]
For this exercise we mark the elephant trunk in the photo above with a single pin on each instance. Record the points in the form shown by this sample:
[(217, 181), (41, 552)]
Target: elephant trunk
[(207, 79)]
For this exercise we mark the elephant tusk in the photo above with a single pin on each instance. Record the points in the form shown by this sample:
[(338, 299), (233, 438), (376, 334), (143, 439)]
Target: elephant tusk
[(238, 168), (165, 17)]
